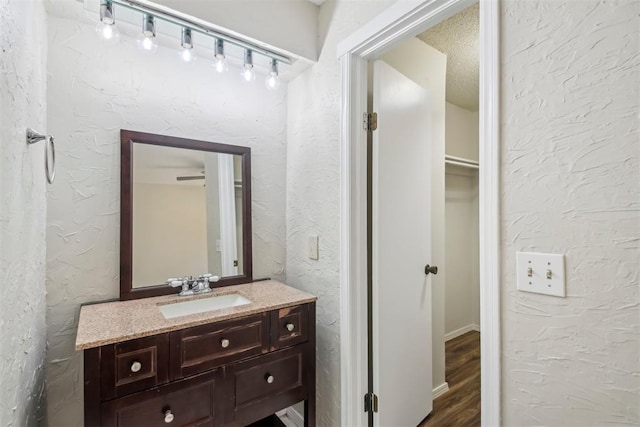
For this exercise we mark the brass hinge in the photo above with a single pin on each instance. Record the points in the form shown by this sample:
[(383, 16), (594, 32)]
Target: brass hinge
[(370, 121), (370, 402)]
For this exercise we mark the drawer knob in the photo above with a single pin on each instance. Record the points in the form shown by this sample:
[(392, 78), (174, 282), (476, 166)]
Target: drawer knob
[(290, 327), (136, 366), (270, 379), (168, 416), (225, 343)]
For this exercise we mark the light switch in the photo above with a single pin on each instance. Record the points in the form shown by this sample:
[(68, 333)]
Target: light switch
[(540, 273), (313, 247)]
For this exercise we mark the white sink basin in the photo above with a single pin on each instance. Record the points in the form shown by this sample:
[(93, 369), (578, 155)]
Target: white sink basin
[(177, 309)]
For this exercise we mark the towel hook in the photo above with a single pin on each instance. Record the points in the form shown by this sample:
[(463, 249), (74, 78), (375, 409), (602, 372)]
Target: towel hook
[(34, 136)]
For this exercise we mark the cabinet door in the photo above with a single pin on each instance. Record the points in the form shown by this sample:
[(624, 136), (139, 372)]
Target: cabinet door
[(266, 384), (193, 402), (289, 326)]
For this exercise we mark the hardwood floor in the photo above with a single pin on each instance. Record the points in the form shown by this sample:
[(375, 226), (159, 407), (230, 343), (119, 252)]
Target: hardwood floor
[(460, 406)]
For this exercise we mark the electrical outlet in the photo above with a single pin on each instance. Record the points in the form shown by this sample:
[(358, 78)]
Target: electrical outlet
[(313, 247), (540, 273)]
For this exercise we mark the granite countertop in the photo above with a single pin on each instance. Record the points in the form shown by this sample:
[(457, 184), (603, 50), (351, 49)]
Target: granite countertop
[(118, 321)]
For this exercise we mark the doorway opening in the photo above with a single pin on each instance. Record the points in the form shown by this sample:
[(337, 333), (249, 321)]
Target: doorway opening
[(442, 63), (381, 36)]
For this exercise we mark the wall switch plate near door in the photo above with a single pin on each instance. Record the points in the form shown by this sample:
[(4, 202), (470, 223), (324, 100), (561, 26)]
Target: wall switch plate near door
[(540, 273)]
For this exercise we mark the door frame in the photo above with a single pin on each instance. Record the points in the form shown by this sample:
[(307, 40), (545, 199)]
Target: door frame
[(401, 20)]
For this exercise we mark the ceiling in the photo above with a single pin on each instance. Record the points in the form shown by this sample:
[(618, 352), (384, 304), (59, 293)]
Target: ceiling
[(457, 37)]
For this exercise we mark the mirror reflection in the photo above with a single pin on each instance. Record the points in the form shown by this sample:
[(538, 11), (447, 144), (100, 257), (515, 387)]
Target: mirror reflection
[(187, 214)]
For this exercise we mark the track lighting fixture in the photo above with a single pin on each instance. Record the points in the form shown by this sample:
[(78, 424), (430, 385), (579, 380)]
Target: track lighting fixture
[(273, 81), (220, 63), (187, 53), (147, 39), (248, 73), (106, 28)]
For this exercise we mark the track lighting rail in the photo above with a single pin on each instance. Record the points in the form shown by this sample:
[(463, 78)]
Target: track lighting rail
[(194, 24)]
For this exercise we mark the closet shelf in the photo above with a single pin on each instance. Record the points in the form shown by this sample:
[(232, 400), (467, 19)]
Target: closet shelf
[(460, 161)]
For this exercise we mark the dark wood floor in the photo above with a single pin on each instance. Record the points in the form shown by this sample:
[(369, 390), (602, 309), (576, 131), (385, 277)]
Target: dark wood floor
[(460, 406)]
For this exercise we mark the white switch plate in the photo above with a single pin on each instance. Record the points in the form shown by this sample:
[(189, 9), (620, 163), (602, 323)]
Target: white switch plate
[(540, 265), (313, 247)]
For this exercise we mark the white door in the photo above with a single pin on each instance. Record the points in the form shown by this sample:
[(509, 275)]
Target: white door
[(402, 348)]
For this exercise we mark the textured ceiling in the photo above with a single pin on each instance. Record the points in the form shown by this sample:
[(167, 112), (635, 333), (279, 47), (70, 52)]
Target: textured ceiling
[(457, 37)]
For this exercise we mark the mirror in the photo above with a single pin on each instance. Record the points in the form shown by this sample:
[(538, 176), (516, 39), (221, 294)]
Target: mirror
[(185, 211)]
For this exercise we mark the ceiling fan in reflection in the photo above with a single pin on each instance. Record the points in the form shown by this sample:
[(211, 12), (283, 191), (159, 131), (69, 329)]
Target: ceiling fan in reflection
[(236, 184), (191, 177)]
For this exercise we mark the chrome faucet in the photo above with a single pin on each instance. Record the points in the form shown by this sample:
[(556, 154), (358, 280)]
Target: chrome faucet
[(193, 285)]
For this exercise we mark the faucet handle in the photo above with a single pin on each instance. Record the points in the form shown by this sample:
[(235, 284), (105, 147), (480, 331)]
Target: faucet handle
[(210, 277), (174, 282)]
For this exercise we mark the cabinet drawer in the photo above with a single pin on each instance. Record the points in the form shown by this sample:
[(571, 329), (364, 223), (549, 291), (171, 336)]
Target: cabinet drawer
[(201, 348), (188, 402), (135, 365), (266, 384), (290, 326)]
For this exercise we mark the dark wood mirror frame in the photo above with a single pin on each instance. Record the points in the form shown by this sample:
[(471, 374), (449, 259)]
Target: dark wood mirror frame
[(127, 139)]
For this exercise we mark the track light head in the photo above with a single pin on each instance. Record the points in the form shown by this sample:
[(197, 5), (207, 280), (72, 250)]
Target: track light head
[(106, 12), (186, 42), (147, 39), (273, 80), (248, 74), (220, 62), (106, 28)]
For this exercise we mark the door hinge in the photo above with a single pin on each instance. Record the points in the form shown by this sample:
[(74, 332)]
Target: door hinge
[(370, 121), (370, 402)]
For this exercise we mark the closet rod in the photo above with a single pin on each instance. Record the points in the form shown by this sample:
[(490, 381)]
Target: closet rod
[(459, 161)]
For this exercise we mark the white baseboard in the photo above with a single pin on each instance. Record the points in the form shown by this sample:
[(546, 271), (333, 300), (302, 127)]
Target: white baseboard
[(455, 334), (441, 389), (290, 417)]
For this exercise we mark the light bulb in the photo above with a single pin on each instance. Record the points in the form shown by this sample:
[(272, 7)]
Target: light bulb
[(221, 64), (248, 74), (187, 55), (108, 33), (273, 81), (147, 44), (147, 39)]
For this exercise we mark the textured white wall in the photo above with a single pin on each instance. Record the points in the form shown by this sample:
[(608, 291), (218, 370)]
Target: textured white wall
[(313, 190), (23, 210), (571, 184), (93, 92)]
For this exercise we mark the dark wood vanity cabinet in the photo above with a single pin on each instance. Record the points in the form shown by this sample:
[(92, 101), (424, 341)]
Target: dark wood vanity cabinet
[(227, 373)]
